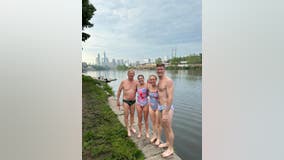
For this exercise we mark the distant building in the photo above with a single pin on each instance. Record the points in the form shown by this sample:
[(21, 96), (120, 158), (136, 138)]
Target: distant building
[(120, 62), (105, 60), (165, 59), (183, 64), (126, 62), (98, 59), (146, 65), (137, 63), (84, 64), (113, 62)]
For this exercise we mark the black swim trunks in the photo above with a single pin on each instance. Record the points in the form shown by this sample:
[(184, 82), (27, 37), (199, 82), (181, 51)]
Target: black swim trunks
[(129, 102)]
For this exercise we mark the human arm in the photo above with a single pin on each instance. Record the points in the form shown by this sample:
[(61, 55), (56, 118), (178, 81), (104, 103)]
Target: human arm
[(170, 94), (118, 94)]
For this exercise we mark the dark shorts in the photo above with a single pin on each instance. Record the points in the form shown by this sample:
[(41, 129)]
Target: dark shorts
[(129, 102)]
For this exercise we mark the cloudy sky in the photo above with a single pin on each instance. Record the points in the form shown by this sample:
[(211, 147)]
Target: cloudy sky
[(140, 29)]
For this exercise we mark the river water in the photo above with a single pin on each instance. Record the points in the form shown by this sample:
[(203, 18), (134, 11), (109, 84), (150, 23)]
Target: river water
[(187, 125)]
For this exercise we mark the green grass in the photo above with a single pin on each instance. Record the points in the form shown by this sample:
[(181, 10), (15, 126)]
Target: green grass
[(104, 137)]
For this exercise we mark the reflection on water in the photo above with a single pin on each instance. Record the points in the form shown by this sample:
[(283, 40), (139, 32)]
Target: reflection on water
[(187, 101), (190, 74)]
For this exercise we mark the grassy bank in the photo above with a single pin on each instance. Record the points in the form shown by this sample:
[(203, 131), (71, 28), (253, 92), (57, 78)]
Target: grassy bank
[(104, 137)]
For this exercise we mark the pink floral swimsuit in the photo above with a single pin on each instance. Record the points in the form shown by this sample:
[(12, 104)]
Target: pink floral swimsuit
[(142, 97)]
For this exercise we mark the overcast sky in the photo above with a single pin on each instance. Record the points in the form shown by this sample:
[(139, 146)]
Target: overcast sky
[(139, 29)]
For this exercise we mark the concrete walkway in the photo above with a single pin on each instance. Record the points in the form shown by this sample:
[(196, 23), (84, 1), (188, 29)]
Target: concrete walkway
[(150, 151)]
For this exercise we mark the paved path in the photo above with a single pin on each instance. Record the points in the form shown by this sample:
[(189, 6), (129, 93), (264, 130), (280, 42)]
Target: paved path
[(150, 151)]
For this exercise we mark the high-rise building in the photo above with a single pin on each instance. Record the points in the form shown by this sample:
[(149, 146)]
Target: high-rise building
[(98, 59), (113, 62), (105, 60), (120, 62)]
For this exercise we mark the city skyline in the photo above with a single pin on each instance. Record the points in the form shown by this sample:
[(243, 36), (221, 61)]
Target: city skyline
[(105, 60), (142, 29), (102, 59)]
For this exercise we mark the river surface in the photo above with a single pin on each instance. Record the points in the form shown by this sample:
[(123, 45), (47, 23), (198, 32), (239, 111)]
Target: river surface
[(187, 101)]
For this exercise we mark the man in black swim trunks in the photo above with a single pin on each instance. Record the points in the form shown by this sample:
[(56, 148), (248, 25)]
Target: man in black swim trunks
[(129, 87)]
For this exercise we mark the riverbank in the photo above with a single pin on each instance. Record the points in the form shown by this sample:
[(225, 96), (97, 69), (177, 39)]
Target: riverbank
[(103, 136), (151, 152)]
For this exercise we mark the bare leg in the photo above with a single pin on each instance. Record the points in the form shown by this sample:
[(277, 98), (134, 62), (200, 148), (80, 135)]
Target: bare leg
[(146, 113), (171, 133), (169, 129), (154, 124), (126, 112), (165, 125), (132, 110), (139, 112), (159, 127)]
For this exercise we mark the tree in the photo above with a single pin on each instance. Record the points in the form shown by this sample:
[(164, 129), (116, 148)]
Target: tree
[(122, 67), (194, 59), (159, 60), (87, 13), (174, 61)]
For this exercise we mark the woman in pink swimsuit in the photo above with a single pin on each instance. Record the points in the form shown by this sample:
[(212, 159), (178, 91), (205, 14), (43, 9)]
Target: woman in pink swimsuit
[(142, 105)]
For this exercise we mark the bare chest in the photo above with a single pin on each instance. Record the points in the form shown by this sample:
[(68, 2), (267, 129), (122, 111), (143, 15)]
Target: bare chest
[(162, 87), (129, 86)]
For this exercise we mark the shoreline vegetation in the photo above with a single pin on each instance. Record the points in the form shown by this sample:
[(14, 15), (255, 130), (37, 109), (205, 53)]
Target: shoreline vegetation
[(104, 137), (191, 62)]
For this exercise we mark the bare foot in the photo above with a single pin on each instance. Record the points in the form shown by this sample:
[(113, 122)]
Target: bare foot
[(133, 130), (163, 145), (128, 132), (153, 139), (147, 135), (157, 142), (139, 135), (167, 153)]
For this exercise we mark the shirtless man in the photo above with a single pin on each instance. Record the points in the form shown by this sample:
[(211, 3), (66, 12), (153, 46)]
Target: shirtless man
[(129, 88), (165, 107)]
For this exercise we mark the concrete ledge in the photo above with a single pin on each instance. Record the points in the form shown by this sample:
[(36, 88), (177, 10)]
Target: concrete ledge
[(150, 151)]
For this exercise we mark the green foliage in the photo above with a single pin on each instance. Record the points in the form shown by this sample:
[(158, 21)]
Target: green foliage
[(85, 36), (158, 60), (104, 137), (197, 68), (172, 68), (108, 89), (194, 62), (175, 61), (97, 67), (87, 13), (194, 59), (122, 67), (191, 59)]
